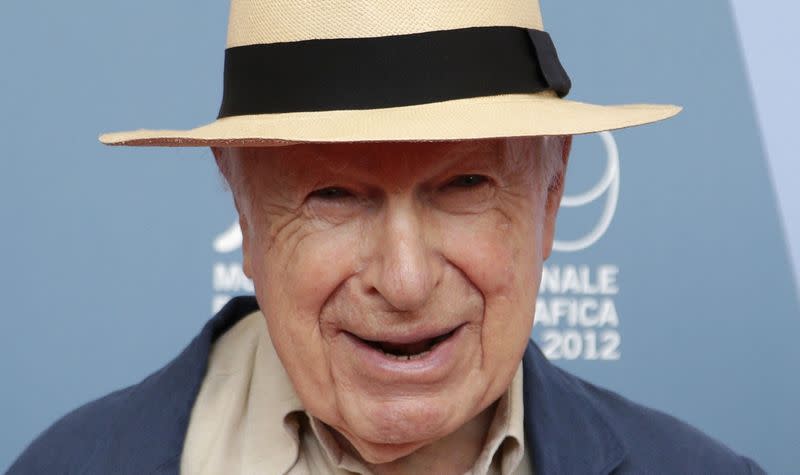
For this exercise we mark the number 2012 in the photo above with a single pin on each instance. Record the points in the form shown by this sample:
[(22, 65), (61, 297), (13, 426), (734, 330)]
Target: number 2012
[(588, 345)]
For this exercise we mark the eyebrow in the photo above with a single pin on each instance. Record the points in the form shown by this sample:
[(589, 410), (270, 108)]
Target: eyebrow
[(347, 164)]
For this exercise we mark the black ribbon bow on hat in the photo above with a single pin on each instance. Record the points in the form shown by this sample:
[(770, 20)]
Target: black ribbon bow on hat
[(552, 70)]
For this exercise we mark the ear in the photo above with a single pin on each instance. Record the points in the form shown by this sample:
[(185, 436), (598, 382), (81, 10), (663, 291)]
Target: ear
[(246, 266), (555, 191), (224, 167)]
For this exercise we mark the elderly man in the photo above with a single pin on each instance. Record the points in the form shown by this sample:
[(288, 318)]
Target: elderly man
[(397, 168)]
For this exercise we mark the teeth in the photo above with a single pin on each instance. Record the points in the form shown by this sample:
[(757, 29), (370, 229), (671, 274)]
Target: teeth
[(407, 357), (432, 344)]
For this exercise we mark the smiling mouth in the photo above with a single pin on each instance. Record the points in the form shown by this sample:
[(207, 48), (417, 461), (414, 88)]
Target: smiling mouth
[(408, 351)]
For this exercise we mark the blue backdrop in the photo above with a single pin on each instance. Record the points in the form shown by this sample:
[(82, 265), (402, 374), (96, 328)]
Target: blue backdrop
[(673, 284)]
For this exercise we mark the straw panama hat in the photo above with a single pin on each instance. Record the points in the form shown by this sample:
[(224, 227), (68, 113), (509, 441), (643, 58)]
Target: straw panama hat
[(391, 70)]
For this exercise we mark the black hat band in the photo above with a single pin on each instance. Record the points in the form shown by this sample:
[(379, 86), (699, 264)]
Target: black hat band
[(389, 71)]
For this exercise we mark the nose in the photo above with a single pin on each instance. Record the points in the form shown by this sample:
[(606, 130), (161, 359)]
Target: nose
[(403, 266)]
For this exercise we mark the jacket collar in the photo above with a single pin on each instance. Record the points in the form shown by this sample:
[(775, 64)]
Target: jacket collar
[(152, 429), (565, 431)]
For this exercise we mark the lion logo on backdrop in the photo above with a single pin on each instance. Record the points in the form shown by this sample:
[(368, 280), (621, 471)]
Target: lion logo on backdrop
[(228, 277), (230, 240), (576, 315)]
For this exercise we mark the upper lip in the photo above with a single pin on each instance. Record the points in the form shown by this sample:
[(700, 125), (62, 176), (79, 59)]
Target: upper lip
[(406, 337)]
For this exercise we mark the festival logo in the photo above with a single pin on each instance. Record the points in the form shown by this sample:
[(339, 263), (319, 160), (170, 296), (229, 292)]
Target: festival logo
[(227, 274), (576, 316), (576, 313), (609, 186)]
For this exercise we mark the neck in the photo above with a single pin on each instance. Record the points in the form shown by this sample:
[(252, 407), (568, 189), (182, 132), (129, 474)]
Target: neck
[(454, 453)]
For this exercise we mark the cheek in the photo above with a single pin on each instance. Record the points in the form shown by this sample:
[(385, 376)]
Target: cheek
[(301, 268), (500, 256), (293, 280)]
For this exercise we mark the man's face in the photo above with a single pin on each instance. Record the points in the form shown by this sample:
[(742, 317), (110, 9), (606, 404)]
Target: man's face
[(398, 280)]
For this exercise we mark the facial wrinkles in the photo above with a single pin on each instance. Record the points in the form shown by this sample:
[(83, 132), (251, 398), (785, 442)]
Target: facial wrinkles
[(479, 254), (288, 223), (272, 186), (368, 315), (514, 195), (355, 307)]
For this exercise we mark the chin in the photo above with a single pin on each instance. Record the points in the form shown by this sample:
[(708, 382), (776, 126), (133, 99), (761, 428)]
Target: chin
[(389, 430), (377, 454)]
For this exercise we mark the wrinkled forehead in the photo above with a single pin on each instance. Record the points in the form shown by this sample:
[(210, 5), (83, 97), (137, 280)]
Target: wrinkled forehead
[(399, 159)]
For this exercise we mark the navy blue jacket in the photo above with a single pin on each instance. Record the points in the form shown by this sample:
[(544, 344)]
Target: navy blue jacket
[(571, 426)]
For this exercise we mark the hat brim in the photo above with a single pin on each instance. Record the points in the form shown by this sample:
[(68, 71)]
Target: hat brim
[(509, 115)]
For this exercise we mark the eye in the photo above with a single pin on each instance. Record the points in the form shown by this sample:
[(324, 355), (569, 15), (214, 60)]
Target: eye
[(334, 204), (467, 181), (468, 193), (330, 193)]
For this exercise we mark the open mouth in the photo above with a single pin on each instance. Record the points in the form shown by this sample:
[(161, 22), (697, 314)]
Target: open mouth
[(409, 351)]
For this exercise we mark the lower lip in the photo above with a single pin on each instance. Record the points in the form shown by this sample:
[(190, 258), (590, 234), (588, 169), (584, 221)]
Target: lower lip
[(430, 367)]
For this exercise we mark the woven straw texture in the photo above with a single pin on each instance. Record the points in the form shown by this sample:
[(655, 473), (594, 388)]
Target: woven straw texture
[(506, 115), (272, 21)]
